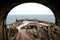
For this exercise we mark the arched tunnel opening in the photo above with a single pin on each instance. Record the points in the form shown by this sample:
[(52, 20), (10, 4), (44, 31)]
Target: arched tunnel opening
[(29, 11), (8, 10)]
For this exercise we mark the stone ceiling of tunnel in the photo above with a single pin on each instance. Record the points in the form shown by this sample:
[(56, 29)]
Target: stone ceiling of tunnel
[(7, 5)]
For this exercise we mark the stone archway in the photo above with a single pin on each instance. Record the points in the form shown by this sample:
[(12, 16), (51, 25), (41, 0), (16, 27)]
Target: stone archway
[(31, 10), (7, 7)]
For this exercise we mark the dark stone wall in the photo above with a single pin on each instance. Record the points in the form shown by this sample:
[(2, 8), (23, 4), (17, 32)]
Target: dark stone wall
[(7, 5)]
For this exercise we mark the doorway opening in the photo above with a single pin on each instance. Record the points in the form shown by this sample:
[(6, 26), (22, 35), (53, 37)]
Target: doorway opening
[(30, 11), (25, 13)]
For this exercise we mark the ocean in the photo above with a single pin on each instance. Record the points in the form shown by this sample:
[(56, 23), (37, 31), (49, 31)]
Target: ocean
[(12, 18)]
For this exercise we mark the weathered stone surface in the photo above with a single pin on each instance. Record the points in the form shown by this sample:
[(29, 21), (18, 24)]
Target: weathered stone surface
[(34, 30)]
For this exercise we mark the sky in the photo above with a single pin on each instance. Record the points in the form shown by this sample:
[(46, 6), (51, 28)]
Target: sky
[(32, 9)]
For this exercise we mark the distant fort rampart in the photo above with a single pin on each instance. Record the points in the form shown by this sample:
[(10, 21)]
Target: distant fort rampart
[(39, 30)]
